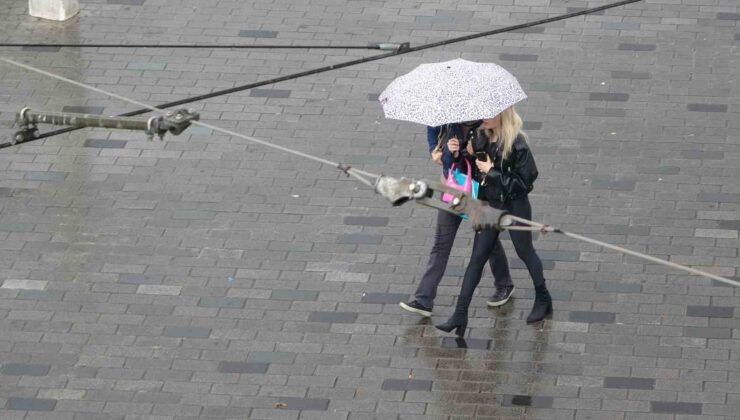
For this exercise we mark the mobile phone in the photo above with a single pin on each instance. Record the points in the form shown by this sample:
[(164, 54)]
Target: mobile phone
[(482, 156)]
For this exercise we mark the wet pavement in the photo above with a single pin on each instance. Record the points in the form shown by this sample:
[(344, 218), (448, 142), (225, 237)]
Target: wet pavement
[(204, 277)]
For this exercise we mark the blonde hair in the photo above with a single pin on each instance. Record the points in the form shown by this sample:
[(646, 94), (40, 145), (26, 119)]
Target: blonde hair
[(510, 126)]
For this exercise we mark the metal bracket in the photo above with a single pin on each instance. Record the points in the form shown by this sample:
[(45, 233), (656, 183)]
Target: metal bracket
[(175, 123)]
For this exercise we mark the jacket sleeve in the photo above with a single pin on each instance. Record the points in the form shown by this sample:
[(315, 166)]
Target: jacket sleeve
[(515, 178), (432, 134)]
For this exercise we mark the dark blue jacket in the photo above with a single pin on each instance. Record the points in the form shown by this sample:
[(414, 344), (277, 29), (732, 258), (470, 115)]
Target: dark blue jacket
[(450, 131)]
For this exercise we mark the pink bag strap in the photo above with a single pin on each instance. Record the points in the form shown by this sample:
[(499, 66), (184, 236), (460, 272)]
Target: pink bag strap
[(468, 178)]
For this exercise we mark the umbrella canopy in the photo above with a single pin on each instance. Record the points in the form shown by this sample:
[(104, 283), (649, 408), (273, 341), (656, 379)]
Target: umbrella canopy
[(450, 92)]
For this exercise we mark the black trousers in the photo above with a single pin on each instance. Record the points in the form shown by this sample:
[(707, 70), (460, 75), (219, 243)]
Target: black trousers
[(444, 238), (485, 241)]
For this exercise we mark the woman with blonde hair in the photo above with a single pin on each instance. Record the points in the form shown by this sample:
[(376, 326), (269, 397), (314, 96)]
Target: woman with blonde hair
[(507, 171)]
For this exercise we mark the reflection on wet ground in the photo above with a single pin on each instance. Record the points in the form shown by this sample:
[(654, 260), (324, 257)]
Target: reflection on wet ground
[(477, 375)]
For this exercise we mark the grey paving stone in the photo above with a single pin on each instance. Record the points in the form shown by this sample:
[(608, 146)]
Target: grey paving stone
[(365, 221), (295, 295), (221, 302), (707, 332), (45, 176), (21, 369), (635, 75), (439, 20), (187, 332), (535, 401), (251, 33), (359, 238), (139, 279), (602, 112), (660, 170), (592, 316), (126, 2), (707, 107), (550, 87), (532, 125), (718, 197), (373, 97), (559, 255), (149, 67), (518, 57), (688, 154), (30, 404), (628, 383), (384, 298), (614, 287), (43, 295), (710, 311), (621, 26), (24, 284), (105, 144), (271, 357), (194, 214), (615, 97), (728, 16), (313, 404), (675, 407), (95, 110), (636, 47), (242, 367), (627, 230), (407, 385), (619, 185), (270, 93), (333, 317), (466, 343)]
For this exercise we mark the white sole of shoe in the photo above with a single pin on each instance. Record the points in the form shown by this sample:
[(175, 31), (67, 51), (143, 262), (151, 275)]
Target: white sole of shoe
[(501, 302), (414, 310)]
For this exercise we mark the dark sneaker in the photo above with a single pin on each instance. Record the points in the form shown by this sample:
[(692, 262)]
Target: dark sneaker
[(416, 308), (501, 296)]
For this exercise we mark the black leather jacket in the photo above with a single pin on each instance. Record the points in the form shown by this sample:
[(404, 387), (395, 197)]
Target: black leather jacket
[(511, 179)]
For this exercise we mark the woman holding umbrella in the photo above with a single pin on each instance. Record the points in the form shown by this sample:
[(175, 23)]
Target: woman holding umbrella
[(443, 142), (435, 94), (507, 171)]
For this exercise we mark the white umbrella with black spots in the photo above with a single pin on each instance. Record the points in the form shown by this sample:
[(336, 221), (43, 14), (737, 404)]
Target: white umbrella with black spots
[(453, 91)]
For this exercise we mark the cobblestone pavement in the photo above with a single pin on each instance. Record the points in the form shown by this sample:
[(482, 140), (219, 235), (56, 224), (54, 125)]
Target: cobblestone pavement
[(204, 277)]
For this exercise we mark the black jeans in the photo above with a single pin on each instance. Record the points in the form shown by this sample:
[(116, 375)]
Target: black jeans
[(444, 237), (485, 241)]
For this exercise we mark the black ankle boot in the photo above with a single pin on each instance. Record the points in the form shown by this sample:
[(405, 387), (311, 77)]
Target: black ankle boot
[(459, 319), (542, 305)]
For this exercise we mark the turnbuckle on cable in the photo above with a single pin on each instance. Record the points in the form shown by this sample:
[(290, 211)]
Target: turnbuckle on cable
[(429, 193)]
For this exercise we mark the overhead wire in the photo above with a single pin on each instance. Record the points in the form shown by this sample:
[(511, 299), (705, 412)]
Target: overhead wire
[(360, 175), (403, 49)]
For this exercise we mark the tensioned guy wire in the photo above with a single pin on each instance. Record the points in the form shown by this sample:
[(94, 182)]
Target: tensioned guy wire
[(359, 174), (403, 50), (200, 46)]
